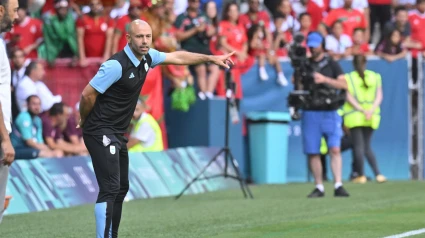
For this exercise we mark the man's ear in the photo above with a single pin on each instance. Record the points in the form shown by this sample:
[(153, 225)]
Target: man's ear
[(2, 11)]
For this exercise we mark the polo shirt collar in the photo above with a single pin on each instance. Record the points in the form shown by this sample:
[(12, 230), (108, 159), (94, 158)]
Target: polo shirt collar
[(131, 55)]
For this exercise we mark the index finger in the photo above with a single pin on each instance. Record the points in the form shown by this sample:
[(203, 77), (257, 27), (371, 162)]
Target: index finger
[(230, 54)]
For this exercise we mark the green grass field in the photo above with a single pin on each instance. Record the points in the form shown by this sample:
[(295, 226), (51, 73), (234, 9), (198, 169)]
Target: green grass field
[(373, 210)]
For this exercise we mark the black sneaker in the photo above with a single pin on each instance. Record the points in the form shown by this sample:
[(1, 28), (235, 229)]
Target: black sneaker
[(340, 192), (316, 194)]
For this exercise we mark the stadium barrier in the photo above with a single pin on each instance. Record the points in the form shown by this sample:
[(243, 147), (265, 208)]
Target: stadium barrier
[(45, 184)]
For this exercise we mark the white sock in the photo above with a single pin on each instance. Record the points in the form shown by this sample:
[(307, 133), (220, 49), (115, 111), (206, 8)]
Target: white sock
[(209, 95), (202, 96), (320, 187), (337, 185), (281, 79), (263, 73)]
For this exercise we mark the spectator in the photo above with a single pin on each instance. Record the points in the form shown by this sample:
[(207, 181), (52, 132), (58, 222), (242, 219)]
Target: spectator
[(155, 16), (380, 12), (119, 38), (194, 33), (359, 5), (94, 34), (315, 8), (338, 44), (285, 25), (256, 17), (146, 135), (360, 44), (417, 23), (19, 64), (350, 18), (399, 22), (26, 34), (60, 37), (169, 10), (70, 132), (120, 9), (258, 48), (391, 47), (53, 122), (31, 84), (27, 132)]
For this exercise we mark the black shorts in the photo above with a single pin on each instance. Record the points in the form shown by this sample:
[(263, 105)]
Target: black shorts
[(109, 156)]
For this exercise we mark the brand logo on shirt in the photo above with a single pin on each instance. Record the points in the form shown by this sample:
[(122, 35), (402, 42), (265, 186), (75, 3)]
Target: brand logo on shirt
[(131, 76)]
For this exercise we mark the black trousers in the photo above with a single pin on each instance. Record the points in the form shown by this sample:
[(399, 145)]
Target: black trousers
[(380, 14), (361, 137), (110, 164)]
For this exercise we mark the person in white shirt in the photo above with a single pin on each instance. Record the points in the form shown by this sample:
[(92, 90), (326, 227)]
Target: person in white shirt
[(338, 44), (8, 15), (19, 66), (31, 84)]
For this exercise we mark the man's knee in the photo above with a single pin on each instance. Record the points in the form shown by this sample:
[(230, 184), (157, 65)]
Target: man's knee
[(334, 151)]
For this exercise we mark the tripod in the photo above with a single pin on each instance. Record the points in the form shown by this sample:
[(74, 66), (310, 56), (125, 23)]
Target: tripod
[(226, 150)]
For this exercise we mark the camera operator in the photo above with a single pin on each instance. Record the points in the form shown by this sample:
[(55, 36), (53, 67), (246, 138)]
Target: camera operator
[(322, 119)]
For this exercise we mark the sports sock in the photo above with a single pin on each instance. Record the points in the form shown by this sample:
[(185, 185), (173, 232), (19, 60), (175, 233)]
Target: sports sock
[(337, 185), (320, 187)]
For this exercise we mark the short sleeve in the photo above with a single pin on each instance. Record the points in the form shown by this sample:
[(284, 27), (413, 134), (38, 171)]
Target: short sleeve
[(145, 134), (80, 22), (39, 133), (109, 72), (336, 68), (157, 57), (24, 125)]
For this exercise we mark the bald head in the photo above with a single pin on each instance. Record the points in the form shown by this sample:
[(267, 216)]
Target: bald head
[(139, 25), (139, 37)]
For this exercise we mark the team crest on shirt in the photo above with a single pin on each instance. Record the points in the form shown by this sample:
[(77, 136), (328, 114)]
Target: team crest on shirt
[(112, 149), (146, 67)]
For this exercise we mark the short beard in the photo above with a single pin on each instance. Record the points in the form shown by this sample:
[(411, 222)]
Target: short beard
[(6, 24)]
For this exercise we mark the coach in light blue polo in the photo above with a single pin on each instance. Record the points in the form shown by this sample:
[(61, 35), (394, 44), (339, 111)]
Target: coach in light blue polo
[(106, 108)]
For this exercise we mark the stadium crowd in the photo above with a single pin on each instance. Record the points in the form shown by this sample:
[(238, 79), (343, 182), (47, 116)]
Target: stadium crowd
[(92, 31)]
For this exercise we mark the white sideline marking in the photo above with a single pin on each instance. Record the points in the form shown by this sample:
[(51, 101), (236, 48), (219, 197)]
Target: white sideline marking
[(407, 234)]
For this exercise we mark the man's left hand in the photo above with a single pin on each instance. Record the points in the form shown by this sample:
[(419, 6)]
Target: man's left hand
[(8, 152), (223, 60), (319, 78)]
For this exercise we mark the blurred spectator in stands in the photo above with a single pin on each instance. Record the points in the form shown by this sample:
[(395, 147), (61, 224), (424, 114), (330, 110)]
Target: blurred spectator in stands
[(380, 12), (350, 18), (285, 25), (417, 23), (360, 44), (94, 34), (169, 10), (255, 16), (26, 137), (359, 5), (315, 8), (391, 48), (120, 9), (155, 16), (123, 23), (19, 64), (60, 36), (194, 33), (53, 122), (210, 9), (31, 84), (26, 34), (145, 135), (338, 44), (70, 132), (259, 48)]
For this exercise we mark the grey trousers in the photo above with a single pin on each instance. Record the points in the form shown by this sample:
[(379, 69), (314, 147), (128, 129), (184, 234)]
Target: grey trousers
[(4, 172)]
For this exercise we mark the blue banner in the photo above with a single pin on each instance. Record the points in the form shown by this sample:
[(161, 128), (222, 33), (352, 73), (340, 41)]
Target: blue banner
[(44, 184), (390, 142)]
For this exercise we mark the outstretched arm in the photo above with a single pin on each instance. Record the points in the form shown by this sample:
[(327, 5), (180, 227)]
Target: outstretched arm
[(187, 58)]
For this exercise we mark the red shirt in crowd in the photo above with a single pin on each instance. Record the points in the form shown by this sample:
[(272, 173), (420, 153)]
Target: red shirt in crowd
[(122, 25), (235, 34), (94, 34), (351, 19), (379, 2), (26, 33), (417, 23), (260, 18)]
